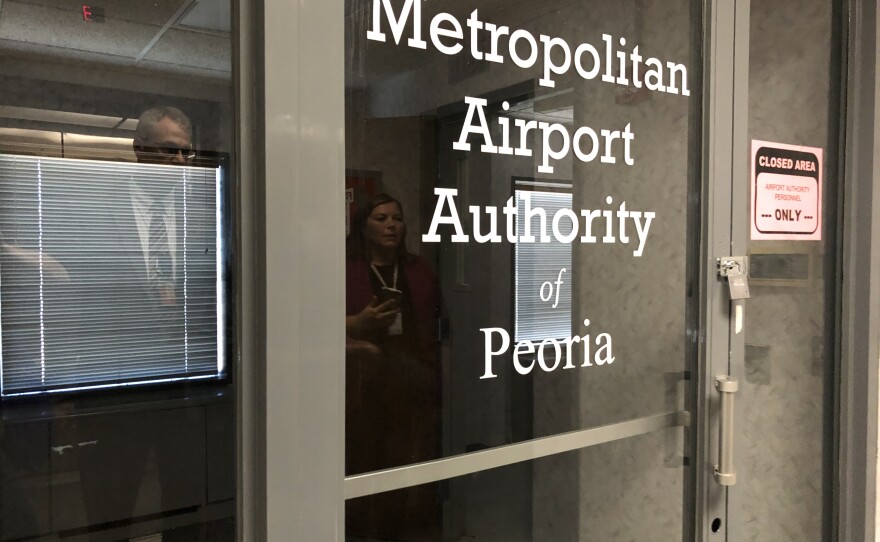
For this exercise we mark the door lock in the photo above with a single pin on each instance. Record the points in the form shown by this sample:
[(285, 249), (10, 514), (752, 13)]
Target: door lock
[(736, 270)]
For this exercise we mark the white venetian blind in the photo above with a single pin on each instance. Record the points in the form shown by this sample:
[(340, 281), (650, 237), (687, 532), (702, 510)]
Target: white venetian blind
[(82, 304), (537, 263)]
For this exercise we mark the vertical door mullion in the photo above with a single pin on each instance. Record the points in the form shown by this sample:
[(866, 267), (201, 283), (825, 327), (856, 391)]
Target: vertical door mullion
[(739, 237), (855, 488), (719, 133), (301, 211), (250, 392)]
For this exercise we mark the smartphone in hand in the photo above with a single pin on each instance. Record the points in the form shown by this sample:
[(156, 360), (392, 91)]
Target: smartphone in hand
[(389, 293)]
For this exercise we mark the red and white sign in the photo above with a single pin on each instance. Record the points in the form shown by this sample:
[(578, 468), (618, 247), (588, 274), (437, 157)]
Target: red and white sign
[(786, 192)]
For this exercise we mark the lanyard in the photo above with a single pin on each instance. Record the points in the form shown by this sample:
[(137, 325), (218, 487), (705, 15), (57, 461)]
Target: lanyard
[(379, 275)]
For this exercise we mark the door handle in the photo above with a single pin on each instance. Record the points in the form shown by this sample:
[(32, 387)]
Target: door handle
[(725, 474)]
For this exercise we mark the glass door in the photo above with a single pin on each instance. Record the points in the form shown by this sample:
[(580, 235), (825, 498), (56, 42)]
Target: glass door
[(786, 192), (523, 215)]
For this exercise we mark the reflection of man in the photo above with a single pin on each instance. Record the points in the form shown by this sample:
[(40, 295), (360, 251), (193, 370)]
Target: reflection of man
[(146, 300), (164, 136), (137, 239)]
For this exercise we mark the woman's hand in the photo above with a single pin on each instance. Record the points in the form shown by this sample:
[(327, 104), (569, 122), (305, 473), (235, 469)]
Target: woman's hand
[(374, 316), (359, 347)]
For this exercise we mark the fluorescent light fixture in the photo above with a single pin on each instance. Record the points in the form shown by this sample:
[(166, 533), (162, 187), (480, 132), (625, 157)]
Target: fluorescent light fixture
[(59, 117), (102, 142), (128, 124), (23, 134)]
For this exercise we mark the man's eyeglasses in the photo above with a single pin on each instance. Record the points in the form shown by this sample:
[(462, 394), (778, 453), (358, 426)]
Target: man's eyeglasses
[(187, 153)]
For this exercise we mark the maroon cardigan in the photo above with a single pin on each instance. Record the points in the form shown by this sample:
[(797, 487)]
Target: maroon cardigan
[(392, 411), (423, 291)]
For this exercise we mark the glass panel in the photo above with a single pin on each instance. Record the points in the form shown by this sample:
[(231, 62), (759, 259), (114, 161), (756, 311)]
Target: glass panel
[(522, 214), (116, 140), (786, 399), (519, 227), (623, 490)]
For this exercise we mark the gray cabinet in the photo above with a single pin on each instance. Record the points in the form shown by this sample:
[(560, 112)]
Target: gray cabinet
[(112, 467), (24, 480), (87, 465)]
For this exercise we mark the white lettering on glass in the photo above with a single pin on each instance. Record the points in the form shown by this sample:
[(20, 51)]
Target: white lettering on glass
[(613, 231)]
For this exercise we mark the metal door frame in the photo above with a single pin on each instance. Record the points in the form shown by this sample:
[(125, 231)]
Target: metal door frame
[(290, 146), (857, 414), (855, 388), (722, 92)]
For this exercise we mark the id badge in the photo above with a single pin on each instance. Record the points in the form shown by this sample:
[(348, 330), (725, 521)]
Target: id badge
[(396, 327)]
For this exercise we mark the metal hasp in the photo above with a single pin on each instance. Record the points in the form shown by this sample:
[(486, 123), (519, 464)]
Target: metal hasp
[(736, 270), (724, 473)]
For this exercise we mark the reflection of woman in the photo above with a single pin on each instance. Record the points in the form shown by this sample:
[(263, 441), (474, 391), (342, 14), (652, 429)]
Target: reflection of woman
[(392, 375)]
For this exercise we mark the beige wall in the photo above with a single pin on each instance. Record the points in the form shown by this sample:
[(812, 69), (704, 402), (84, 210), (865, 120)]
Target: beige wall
[(877, 161)]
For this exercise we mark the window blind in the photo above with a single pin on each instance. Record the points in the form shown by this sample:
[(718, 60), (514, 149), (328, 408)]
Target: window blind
[(537, 263), (110, 274)]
